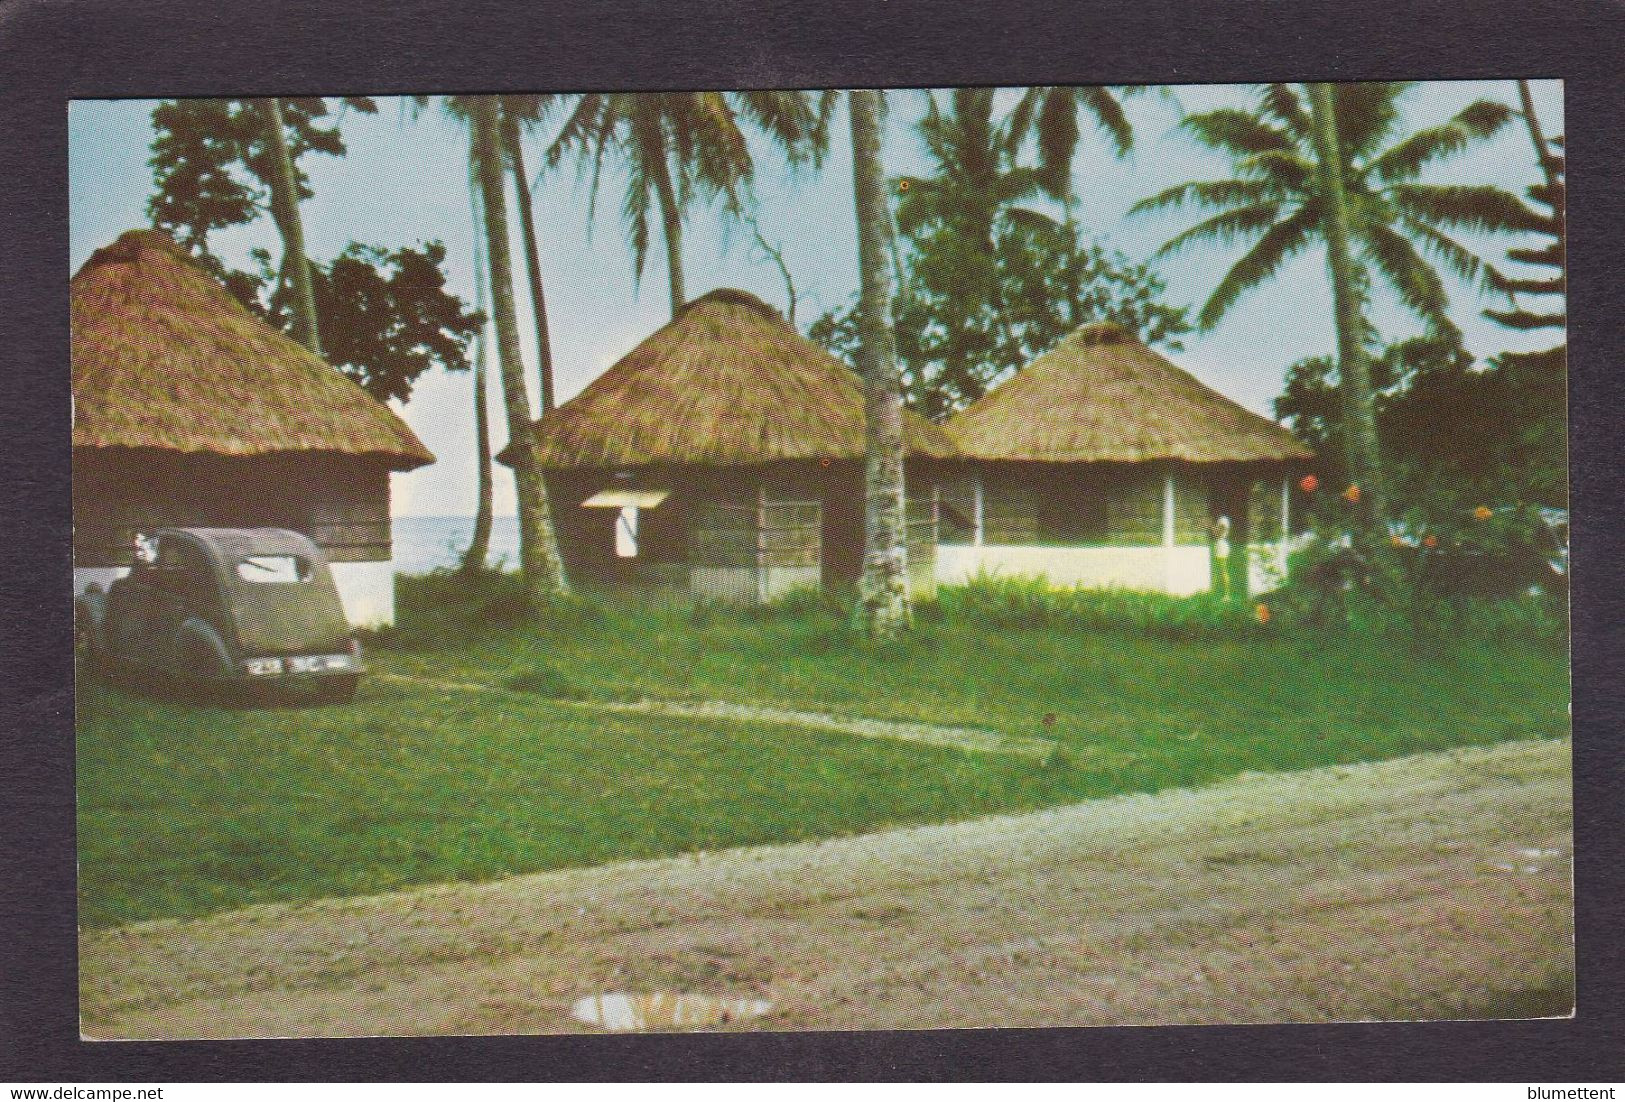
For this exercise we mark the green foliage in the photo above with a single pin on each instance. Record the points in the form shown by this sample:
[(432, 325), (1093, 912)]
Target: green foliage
[(1401, 227), (385, 316), (692, 142), (212, 162), (1031, 604), (986, 284)]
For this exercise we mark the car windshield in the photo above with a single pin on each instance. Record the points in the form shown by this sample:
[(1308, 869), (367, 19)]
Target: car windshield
[(273, 569)]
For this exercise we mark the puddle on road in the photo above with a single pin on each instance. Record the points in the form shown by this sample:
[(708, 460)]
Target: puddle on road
[(624, 1012)]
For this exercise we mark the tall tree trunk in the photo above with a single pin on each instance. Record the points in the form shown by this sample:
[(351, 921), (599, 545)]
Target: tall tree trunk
[(479, 547), (671, 216), (533, 259), (1353, 359), (884, 586), (285, 212), (1543, 154), (538, 544)]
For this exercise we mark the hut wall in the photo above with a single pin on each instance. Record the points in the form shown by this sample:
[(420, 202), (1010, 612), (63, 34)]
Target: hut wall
[(340, 502), (1094, 525), (738, 534)]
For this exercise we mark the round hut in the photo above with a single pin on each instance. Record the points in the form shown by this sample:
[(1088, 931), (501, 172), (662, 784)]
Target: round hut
[(1102, 464), (724, 454), (189, 410)]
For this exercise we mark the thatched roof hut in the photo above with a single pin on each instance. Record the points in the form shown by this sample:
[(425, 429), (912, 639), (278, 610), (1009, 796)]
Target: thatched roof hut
[(188, 410), (1101, 396), (732, 448), (727, 382), (164, 357), (1103, 464)]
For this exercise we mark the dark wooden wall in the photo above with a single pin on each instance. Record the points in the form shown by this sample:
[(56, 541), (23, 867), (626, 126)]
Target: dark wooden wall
[(341, 502)]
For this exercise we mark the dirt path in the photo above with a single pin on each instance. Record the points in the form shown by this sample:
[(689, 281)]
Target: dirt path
[(977, 740), (1426, 886)]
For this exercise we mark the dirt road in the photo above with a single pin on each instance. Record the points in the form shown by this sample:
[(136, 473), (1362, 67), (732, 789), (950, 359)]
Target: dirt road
[(1428, 886)]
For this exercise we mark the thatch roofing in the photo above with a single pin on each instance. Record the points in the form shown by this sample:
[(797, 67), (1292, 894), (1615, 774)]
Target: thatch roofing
[(164, 357), (1100, 395), (726, 382)]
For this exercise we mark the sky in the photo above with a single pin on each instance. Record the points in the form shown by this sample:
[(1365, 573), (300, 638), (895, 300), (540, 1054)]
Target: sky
[(405, 181)]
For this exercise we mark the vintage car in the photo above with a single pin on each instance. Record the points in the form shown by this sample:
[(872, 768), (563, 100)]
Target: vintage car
[(225, 607)]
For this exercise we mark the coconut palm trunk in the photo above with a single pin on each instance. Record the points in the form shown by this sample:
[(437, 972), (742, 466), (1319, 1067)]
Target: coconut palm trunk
[(538, 545), (479, 546), (285, 212), (884, 586), (652, 136), (1353, 359), (533, 260)]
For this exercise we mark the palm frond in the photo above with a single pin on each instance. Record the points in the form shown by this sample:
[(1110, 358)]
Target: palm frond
[(1231, 130), (1281, 103), (1225, 229), (1108, 112), (1367, 113), (1406, 159), (1418, 285), (1279, 244), (1481, 208), (1460, 260), (1209, 195)]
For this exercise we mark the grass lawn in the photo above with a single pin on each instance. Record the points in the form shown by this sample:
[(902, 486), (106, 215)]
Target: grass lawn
[(184, 810)]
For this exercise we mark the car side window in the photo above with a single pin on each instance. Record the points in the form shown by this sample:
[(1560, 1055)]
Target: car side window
[(182, 569)]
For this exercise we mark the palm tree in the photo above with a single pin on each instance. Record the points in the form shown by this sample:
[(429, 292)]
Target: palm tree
[(1395, 222), (1288, 188), (538, 545), (1049, 115), (529, 110), (479, 545), (884, 587), (679, 146), (1353, 358), (284, 187)]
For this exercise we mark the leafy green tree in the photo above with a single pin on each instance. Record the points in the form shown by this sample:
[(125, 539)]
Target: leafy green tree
[(387, 314), (221, 162), (1050, 279), (681, 147), (986, 282)]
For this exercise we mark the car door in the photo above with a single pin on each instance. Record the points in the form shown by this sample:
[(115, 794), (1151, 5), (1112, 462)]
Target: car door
[(184, 576)]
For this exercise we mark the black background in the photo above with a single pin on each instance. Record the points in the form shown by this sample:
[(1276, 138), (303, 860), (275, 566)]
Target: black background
[(52, 52)]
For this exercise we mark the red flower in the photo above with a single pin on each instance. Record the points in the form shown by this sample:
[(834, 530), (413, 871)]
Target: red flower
[(1430, 541), (1263, 613), (1352, 494), (1309, 484)]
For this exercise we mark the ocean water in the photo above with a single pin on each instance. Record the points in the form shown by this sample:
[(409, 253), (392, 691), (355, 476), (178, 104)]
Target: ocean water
[(423, 544)]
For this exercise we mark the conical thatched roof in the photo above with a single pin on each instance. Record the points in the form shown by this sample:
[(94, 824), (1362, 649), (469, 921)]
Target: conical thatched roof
[(726, 382), (164, 357), (1102, 396)]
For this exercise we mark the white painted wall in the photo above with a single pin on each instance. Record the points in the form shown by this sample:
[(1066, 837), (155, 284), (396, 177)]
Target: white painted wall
[(101, 575), (367, 591), (1180, 571)]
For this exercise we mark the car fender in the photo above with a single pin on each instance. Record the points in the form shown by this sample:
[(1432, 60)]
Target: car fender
[(90, 620), (199, 650)]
